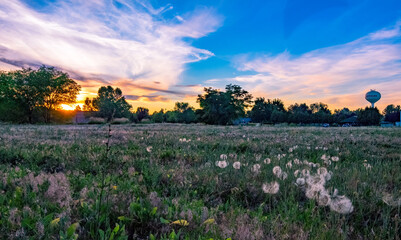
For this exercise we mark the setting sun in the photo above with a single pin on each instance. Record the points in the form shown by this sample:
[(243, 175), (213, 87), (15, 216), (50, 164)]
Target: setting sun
[(67, 107)]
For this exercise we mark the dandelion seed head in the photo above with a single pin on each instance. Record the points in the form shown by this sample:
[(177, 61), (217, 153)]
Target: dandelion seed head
[(237, 165), (267, 161), (323, 198), (256, 168), (271, 188), (300, 181), (341, 204), (222, 164), (277, 170), (223, 157)]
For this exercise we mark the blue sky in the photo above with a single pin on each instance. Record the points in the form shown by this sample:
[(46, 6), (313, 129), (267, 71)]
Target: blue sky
[(160, 52)]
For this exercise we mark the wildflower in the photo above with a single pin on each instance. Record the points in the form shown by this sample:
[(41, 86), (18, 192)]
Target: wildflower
[(290, 150), (267, 161), (237, 165), (283, 176), (271, 188), (181, 222), (54, 222), (277, 171), (115, 187), (208, 221), (325, 158), (296, 172), (223, 157), (296, 161), (390, 200), (256, 168), (131, 171), (222, 164), (323, 198), (341, 204), (367, 166), (289, 164), (335, 159), (300, 181), (149, 149), (232, 155), (305, 172), (322, 171)]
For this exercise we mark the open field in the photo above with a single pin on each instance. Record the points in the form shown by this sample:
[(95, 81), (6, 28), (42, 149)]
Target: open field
[(240, 182)]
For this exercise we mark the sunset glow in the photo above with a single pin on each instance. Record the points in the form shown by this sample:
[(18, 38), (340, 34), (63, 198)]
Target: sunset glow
[(161, 53)]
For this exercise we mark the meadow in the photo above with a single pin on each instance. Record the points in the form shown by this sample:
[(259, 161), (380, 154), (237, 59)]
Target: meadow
[(175, 181)]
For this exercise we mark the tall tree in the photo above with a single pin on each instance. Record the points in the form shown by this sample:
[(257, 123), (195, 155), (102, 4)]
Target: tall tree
[(44, 88), (369, 116), (142, 113), (57, 87), (392, 113), (111, 103), (223, 107)]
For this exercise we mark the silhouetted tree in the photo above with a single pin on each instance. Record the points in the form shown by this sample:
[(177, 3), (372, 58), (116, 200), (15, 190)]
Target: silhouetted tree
[(45, 88), (142, 113), (392, 113), (57, 87), (88, 106), (369, 116), (110, 103)]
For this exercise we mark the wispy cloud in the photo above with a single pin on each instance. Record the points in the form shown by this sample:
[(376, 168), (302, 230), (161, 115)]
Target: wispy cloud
[(104, 41), (338, 75)]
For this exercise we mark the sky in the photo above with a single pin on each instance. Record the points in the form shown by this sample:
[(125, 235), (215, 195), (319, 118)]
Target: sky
[(161, 52)]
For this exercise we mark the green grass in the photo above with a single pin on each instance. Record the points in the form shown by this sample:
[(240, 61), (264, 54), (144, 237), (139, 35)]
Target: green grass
[(52, 177)]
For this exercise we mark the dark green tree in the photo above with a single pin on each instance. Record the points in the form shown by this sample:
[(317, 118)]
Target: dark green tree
[(111, 103), (43, 89), (223, 107), (142, 113), (392, 113), (369, 116), (184, 113), (262, 110)]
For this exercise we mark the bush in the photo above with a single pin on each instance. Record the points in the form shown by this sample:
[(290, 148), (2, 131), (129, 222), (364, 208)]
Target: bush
[(120, 121), (96, 120)]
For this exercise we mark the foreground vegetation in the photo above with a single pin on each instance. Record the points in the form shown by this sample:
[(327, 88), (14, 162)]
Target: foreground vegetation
[(166, 181)]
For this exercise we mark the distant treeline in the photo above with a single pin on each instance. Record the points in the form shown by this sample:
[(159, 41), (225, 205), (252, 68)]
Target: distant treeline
[(32, 96)]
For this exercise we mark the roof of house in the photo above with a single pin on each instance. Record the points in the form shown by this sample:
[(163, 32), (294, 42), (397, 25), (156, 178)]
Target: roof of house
[(353, 119)]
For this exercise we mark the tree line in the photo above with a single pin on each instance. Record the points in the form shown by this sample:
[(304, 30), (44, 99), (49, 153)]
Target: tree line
[(32, 96)]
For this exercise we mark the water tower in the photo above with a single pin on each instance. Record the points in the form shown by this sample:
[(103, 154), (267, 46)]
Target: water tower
[(373, 96)]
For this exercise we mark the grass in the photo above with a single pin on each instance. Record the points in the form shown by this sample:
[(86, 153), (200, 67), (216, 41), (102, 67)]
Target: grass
[(160, 181)]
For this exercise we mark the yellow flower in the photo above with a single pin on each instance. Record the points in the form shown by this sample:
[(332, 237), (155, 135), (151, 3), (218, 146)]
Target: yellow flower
[(115, 187), (181, 222), (209, 221), (54, 222)]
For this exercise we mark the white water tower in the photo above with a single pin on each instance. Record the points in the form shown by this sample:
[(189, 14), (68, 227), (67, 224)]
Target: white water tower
[(373, 96)]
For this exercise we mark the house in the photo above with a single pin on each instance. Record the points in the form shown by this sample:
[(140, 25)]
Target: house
[(386, 124), (80, 118), (351, 121), (242, 121)]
